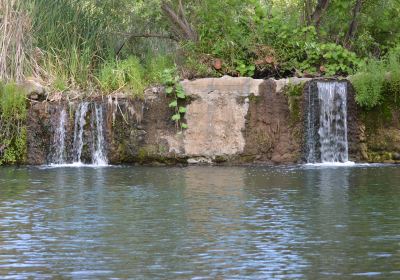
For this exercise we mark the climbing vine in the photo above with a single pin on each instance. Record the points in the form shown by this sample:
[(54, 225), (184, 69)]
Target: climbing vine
[(13, 134), (174, 89)]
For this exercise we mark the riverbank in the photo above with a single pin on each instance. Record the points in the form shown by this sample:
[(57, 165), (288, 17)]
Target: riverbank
[(229, 121)]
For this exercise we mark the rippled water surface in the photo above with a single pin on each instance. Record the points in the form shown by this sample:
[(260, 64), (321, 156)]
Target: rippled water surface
[(200, 223)]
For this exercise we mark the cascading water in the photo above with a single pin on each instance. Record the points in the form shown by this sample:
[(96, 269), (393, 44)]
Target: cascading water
[(79, 129), (327, 131), (311, 121), (84, 136), (99, 154), (333, 122), (58, 156)]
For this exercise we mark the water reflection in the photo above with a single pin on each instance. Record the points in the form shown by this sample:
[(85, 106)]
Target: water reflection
[(204, 222)]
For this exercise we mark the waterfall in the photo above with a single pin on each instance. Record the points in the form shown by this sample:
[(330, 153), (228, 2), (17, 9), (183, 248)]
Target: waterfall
[(88, 142), (327, 123), (333, 122), (99, 154), (311, 139), (79, 129), (58, 156)]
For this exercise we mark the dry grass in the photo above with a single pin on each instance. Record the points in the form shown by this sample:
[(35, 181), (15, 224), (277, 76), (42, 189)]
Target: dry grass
[(15, 27)]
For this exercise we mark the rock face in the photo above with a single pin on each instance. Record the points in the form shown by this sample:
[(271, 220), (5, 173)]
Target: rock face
[(230, 120), (271, 135), (216, 117)]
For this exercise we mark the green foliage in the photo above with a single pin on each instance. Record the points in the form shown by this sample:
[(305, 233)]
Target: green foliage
[(245, 70), (198, 66), (155, 67), (378, 79), (368, 83), (72, 41), (125, 74), (70, 37), (12, 124), (331, 59), (392, 86), (174, 89), (12, 102), (293, 89), (294, 92)]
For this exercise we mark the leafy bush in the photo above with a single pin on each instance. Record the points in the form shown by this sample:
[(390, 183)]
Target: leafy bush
[(330, 59), (376, 77), (368, 83)]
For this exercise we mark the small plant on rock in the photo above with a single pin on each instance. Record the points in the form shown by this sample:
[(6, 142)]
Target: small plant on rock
[(175, 90)]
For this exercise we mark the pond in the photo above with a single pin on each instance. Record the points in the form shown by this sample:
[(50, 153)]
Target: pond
[(117, 222)]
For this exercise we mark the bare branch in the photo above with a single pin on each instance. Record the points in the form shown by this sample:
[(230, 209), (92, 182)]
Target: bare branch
[(179, 21)]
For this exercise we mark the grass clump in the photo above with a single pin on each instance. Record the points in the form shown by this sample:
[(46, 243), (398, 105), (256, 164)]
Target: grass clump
[(155, 67), (13, 133), (131, 75), (119, 75)]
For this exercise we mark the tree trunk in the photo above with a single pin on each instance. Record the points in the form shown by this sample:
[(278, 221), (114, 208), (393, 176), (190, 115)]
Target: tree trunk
[(353, 24), (320, 9), (307, 11)]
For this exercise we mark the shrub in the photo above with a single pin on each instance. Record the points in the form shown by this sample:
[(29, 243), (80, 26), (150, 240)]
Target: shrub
[(368, 83), (378, 79)]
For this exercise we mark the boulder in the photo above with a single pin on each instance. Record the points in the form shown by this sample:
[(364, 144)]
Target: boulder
[(34, 88)]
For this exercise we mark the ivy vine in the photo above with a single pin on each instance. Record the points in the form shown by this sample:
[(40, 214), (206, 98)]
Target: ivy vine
[(174, 89)]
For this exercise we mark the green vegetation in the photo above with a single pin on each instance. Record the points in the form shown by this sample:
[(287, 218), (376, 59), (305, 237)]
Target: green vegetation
[(126, 45), (294, 93), (377, 80), (12, 124), (175, 90), (118, 75)]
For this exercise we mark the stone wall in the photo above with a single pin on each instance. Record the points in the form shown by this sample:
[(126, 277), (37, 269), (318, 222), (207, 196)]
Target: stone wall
[(230, 120)]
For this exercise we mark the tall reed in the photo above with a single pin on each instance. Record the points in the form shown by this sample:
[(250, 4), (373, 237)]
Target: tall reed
[(70, 36), (15, 40)]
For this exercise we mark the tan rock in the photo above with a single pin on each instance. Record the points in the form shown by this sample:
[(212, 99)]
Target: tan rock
[(34, 86), (242, 86), (216, 117)]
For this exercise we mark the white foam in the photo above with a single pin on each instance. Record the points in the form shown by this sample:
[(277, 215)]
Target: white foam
[(337, 164), (75, 164)]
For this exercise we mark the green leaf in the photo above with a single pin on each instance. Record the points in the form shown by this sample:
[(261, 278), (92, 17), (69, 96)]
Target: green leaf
[(169, 90), (184, 125), (173, 103), (176, 117), (181, 95), (182, 109)]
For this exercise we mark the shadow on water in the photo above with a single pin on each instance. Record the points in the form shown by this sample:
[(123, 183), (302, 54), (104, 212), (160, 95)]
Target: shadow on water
[(205, 222)]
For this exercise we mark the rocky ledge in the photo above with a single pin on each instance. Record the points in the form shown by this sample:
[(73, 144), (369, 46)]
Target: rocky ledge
[(230, 120)]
